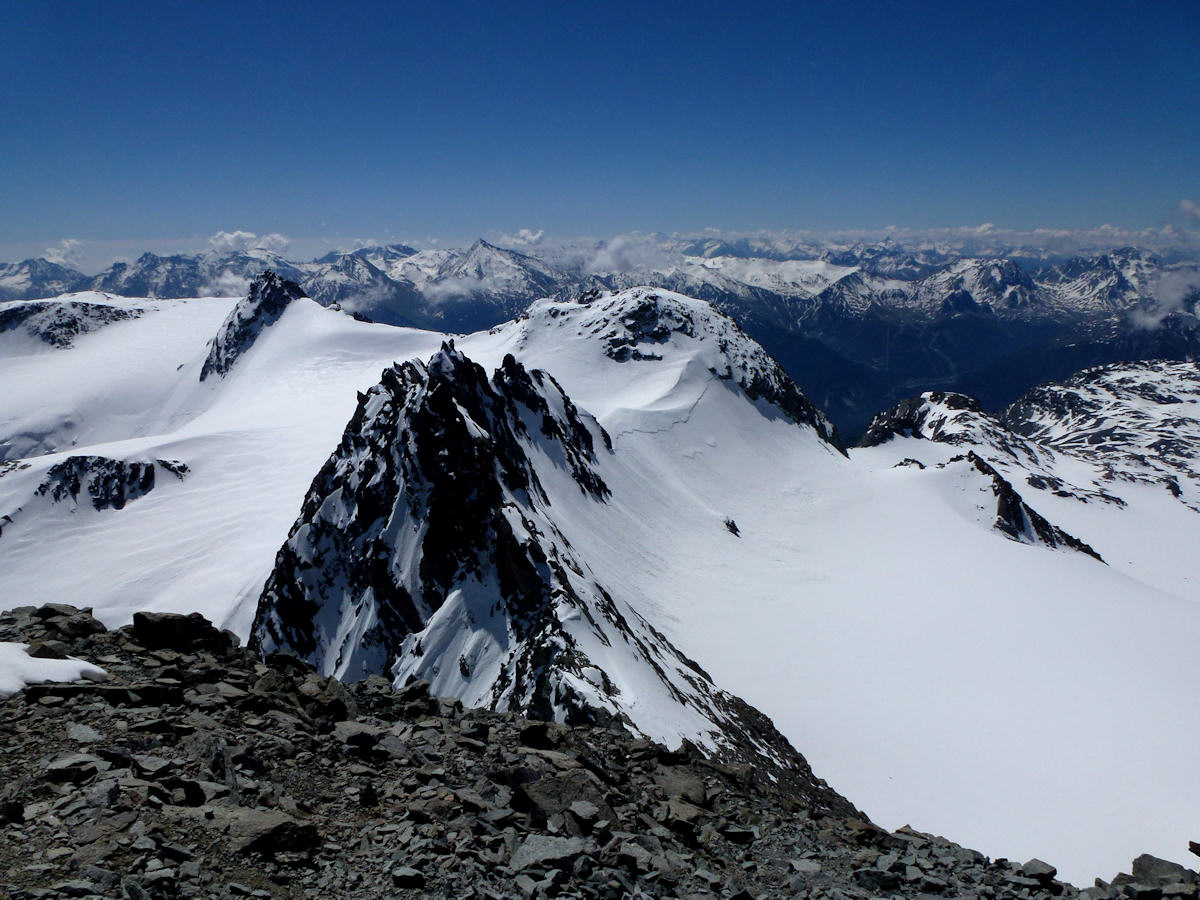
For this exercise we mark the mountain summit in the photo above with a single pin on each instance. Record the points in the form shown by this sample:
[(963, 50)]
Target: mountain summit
[(269, 296)]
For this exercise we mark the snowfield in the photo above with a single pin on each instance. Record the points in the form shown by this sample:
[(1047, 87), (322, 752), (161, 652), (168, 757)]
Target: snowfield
[(1020, 700)]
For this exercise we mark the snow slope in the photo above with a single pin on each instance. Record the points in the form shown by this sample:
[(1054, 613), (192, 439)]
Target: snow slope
[(1023, 700)]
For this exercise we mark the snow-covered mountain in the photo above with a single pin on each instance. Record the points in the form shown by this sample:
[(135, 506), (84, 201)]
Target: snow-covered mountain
[(428, 547), (354, 283), (208, 274), (33, 279), (930, 666)]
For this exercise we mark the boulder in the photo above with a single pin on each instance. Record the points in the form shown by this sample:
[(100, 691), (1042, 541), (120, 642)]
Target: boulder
[(186, 634), (554, 794), (407, 877), (48, 650), (360, 735), (543, 851), (678, 781), (263, 831), (1039, 871), (75, 769), (1149, 869)]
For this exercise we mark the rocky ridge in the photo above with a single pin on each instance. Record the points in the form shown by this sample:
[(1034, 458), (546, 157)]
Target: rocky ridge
[(994, 452), (104, 483), (269, 296), (58, 323), (1127, 423), (1140, 421), (198, 770)]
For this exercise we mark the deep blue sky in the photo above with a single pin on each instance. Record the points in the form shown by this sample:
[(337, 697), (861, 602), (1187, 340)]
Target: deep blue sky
[(131, 121)]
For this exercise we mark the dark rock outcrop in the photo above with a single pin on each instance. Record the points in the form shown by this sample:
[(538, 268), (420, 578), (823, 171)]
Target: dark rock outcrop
[(922, 416), (107, 483), (58, 322), (1017, 520)]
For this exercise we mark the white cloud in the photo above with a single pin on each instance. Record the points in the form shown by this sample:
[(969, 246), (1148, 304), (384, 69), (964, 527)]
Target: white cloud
[(1171, 293), (1190, 208), (241, 241), (275, 242), (525, 237), (630, 253), (227, 284), (65, 254)]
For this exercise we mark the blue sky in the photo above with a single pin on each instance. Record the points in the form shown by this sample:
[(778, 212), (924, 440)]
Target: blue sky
[(150, 121)]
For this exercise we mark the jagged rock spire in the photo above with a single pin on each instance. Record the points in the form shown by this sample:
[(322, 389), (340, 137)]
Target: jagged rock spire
[(269, 296)]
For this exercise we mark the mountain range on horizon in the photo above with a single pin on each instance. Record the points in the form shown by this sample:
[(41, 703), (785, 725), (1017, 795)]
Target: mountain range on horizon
[(860, 325)]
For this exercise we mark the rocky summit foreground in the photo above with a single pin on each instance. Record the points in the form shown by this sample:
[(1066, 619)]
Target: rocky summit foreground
[(198, 770)]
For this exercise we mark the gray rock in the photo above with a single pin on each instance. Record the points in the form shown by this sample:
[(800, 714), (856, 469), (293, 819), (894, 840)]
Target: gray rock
[(1180, 890), (48, 650), (255, 830), (677, 781), (584, 810), (1152, 870), (875, 880), (151, 766), (102, 794), (554, 794), (407, 877), (359, 734), (539, 850), (75, 769), (1038, 870), (83, 734), (634, 857), (169, 631)]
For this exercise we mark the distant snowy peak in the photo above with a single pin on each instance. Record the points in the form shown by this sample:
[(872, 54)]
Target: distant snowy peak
[(998, 285), (355, 284), (428, 547), (643, 325), (178, 276), (1107, 283), (269, 296), (37, 278), (485, 285), (57, 323), (499, 269)]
